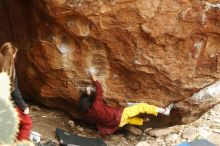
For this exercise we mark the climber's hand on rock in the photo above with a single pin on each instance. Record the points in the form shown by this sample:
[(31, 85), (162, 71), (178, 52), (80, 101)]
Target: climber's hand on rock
[(92, 70), (26, 111)]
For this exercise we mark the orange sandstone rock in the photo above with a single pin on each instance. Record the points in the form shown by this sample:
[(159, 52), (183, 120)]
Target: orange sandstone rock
[(144, 51)]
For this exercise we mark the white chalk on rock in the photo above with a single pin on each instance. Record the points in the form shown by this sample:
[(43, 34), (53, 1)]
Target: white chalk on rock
[(209, 93), (92, 70)]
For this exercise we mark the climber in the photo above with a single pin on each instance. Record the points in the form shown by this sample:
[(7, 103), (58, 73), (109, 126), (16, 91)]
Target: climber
[(109, 119), (8, 60)]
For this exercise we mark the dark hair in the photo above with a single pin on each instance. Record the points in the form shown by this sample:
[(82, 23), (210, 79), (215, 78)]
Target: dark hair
[(86, 101)]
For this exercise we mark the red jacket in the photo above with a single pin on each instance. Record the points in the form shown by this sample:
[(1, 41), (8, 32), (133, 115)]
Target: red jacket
[(107, 118)]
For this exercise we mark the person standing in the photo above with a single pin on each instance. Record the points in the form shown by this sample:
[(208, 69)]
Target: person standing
[(8, 57)]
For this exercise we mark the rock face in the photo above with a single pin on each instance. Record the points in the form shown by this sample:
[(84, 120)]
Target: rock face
[(155, 51)]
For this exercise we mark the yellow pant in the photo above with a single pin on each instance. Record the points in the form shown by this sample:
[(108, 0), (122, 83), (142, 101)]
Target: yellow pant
[(129, 113)]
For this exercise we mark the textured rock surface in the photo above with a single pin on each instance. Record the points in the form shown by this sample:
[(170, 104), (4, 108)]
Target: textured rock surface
[(156, 51)]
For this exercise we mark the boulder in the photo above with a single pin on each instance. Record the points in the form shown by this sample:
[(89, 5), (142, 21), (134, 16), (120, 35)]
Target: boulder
[(143, 51)]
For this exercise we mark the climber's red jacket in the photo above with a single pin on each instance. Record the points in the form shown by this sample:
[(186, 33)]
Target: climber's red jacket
[(107, 118)]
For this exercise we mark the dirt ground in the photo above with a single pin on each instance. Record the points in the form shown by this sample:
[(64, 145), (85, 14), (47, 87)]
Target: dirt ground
[(45, 122)]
